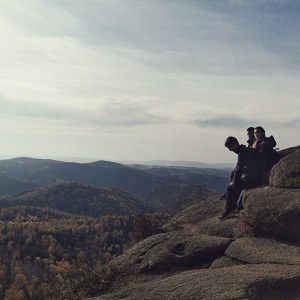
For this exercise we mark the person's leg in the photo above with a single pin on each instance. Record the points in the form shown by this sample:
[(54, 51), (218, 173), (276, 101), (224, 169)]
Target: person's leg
[(232, 196), (239, 204), (243, 185)]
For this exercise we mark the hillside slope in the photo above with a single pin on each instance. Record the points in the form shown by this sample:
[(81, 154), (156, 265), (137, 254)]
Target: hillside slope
[(171, 198), (77, 198)]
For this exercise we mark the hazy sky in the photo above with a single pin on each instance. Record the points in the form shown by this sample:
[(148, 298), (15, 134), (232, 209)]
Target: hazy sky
[(146, 79)]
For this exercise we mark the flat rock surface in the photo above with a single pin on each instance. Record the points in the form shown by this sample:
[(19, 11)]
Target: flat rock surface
[(260, 251), (214, 227), (196, 214), (268, 282), (203, 217)]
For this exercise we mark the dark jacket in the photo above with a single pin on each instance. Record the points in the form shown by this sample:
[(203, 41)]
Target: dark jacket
[(250, 143), (250, 164), (265, 147)]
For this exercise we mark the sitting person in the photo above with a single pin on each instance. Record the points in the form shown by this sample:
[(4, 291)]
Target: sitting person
[(250, 141), (247, 174), (265, 146)]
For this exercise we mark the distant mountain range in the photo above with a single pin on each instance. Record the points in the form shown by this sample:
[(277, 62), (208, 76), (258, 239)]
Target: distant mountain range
[(128, 189), (183, 163), (160, 163), (22, 174)]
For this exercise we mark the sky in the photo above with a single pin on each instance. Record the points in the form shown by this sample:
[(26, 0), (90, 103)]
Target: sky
[(139, 80)]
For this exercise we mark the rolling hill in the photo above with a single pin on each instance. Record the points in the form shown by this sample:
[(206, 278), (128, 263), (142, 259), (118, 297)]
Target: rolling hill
[(24, 174), (78, 198)]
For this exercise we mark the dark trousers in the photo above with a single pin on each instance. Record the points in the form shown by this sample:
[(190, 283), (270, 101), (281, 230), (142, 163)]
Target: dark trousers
[(232, 194)]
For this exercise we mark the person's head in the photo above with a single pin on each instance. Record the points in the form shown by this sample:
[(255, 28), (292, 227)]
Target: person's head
[(250, 133), (259, 133), (232, 143)]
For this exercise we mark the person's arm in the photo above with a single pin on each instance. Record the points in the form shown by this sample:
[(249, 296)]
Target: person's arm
[(240, 165)]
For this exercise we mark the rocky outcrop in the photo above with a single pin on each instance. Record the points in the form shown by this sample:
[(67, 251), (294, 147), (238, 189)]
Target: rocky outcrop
[(286, 173), (273, 212), (172, 250), (195, 214), (266, 281), (253, 256), (202, 217), (287, 151)]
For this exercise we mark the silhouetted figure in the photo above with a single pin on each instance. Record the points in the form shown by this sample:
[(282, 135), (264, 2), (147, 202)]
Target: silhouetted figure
[(247, 174), (250, 141), (265, 146)]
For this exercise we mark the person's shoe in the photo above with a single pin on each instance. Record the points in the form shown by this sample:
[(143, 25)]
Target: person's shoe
[(236, 211), (223, 196), (225, 215)]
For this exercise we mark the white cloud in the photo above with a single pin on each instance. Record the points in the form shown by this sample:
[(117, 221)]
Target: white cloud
[(150, 78)]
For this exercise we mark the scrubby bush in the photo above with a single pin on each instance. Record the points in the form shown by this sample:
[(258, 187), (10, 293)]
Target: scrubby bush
[(81, 282), (145, 225)]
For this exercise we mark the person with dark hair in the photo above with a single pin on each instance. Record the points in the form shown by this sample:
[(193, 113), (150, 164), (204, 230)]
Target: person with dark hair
[(250, 141), (247, 174), (265, 146), (251, 137)]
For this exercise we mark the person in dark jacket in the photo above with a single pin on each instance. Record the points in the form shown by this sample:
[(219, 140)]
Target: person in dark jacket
[(251, 137), (247, 174), (250, 141), (265, 146)]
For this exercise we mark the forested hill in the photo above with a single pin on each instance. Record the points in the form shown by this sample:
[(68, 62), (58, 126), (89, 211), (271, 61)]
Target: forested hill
[(175, 197), (24, 174), (77, 198)]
